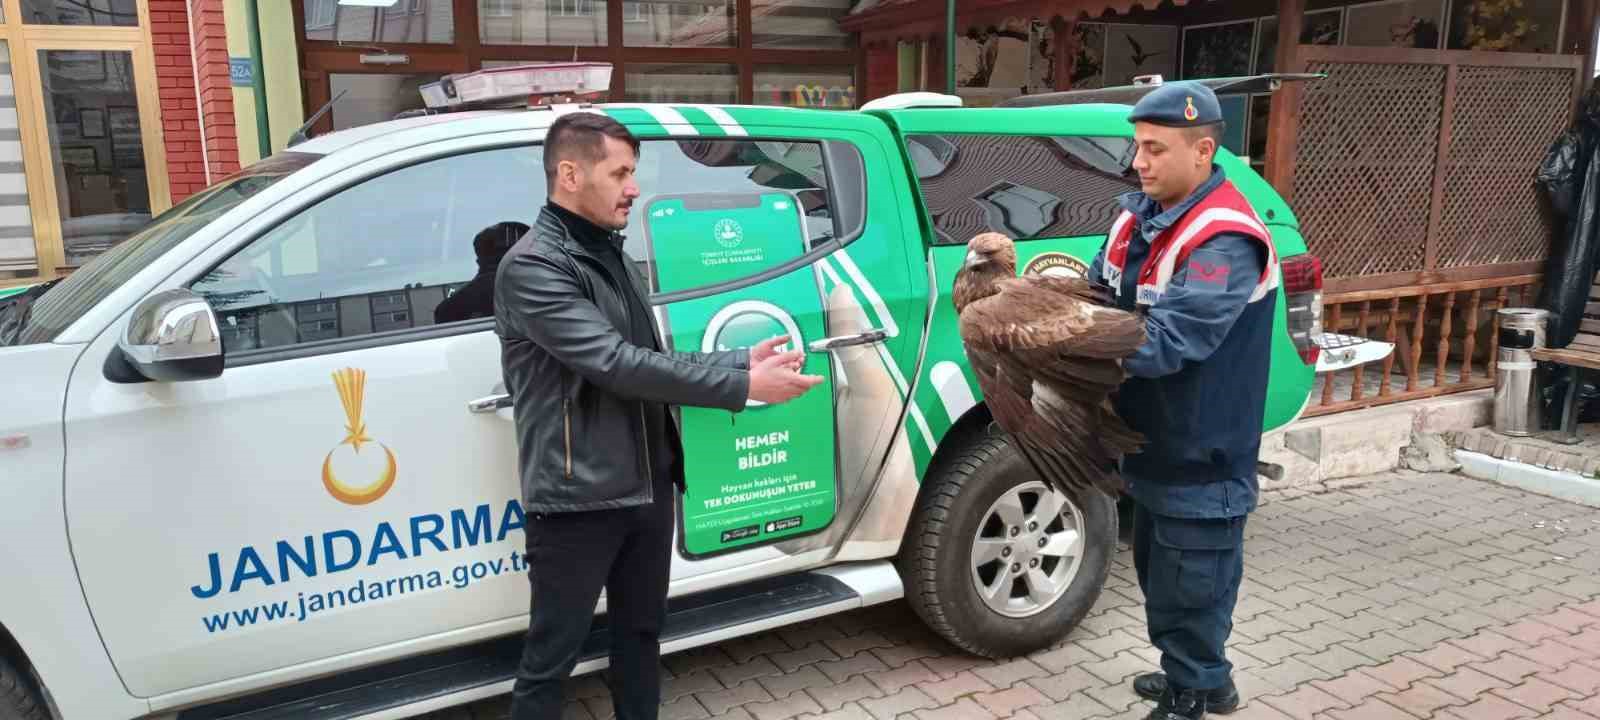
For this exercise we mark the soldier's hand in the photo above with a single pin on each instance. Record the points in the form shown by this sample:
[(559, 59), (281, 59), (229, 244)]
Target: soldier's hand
[(1102, 294), (775, 379)]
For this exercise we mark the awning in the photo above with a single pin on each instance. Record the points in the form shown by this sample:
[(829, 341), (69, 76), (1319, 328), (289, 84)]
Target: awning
[(889, 19)]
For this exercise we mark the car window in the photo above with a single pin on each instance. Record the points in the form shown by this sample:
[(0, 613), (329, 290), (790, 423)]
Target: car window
[(1022, 186), (405, 249), (37, 318), (718, 211), (411, 248), (745, 168)]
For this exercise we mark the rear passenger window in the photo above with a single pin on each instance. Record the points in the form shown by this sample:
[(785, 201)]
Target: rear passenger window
[(1019, 185), (818, 184), (708, 165)]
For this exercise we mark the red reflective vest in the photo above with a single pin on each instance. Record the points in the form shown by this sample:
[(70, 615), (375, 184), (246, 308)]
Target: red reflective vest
[(1222, 210)]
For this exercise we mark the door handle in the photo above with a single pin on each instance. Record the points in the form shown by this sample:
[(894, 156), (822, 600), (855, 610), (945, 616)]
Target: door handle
[(489, 404), (840, 341)]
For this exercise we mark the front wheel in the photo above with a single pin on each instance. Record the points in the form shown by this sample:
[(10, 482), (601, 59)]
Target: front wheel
[(998, 563), (19, 700)]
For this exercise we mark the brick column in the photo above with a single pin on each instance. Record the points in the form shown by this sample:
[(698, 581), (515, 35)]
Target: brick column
[(197, 122), (881, 71), (210, 34)]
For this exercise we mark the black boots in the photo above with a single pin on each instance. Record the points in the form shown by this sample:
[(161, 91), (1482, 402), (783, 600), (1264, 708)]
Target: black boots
[(1185, 704), (1182, 705)]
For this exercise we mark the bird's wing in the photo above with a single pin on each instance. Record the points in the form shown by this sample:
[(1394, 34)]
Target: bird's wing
[(1057, 435), (1041, 314), (1046, 358)]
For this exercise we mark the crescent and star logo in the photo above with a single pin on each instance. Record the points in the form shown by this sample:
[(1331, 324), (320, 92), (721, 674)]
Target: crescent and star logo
[(351, 384)]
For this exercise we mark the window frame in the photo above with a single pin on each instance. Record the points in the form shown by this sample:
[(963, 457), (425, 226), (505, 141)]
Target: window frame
[(326, 15), (572, 9), (383, 338), (843, 234), (319, 57), (842, 161)]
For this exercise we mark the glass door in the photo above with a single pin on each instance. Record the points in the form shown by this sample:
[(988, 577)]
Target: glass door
[(374, 57), (82, 162), (100, 176), (366, 98)]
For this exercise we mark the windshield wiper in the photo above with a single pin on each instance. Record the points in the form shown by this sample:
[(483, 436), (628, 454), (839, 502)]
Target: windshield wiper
[(21, 306), (17, 325)]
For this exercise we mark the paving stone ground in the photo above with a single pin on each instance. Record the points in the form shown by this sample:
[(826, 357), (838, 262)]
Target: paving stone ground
[(1410, 596)]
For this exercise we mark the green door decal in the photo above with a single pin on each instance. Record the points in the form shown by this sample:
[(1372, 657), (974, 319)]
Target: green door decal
[(767, 473)]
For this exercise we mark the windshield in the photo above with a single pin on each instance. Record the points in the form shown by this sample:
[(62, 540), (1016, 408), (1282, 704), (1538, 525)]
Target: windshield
[(42, 312)]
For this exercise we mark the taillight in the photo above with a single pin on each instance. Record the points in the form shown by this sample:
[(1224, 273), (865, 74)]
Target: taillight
[(1302, 289)]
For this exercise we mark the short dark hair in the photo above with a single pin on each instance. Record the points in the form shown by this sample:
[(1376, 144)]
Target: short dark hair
[(581, 135), (1215, 131), (495, 240)]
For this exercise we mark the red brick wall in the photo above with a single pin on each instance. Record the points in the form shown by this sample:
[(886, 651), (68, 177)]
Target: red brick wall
[(176, 53), (216, 91), (882, 71)]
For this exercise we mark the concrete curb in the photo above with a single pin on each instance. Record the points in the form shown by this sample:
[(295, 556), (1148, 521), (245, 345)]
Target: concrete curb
[(1559, 484), (1316, 453)]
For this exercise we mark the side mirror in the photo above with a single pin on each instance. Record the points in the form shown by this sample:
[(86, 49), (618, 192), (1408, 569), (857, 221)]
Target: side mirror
[(173, 336)]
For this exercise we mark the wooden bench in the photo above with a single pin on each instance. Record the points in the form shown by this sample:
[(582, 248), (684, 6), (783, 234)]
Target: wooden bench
[(1581, 355)]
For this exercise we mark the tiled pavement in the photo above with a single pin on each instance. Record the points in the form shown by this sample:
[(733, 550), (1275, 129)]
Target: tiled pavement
[(1415, 596)]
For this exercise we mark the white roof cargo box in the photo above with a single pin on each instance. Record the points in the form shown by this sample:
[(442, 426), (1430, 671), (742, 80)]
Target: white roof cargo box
[(517, 84)]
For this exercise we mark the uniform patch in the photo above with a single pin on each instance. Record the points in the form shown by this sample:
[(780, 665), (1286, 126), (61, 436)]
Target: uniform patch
[(1208, 268), (1113, 277)]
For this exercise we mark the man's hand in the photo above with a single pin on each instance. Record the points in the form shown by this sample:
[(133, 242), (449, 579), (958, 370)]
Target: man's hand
[(768, 348), (776, 378)]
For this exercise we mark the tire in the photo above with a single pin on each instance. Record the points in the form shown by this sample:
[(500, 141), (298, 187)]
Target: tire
[(936, 560), (19, 699)]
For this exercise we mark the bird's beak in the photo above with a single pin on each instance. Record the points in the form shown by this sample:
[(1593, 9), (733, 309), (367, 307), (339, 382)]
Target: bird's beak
[(973, 259)]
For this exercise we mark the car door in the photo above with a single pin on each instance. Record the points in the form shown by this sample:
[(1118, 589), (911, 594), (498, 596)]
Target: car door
[(729, 267), (329, 493), (726, 262)]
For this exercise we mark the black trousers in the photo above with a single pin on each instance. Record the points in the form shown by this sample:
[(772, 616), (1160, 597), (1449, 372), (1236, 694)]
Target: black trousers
[(570, 557), (1189, 571)]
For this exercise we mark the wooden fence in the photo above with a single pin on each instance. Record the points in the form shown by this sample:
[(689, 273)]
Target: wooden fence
[(1444, 337), (1413, 179)]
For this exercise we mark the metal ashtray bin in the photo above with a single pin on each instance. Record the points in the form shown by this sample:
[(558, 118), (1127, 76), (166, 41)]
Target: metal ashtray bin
[(1517, 408)]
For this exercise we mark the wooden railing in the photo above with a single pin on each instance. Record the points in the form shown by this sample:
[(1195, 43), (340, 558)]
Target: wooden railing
[(1444, 337)]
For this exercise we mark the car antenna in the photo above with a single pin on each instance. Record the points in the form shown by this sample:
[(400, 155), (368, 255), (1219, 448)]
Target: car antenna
[(299, 135)]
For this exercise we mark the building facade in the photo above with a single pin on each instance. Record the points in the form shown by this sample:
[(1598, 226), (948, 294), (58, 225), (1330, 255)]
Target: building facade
[(112, 111), (1410, 165), (780, 52), (99, 125)]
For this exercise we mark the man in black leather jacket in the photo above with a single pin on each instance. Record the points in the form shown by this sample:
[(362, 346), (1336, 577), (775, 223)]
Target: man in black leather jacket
[(592, 384)]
